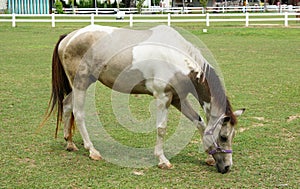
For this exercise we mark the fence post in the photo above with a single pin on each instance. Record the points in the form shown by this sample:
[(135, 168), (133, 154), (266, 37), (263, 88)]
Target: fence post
[(92, 19), (131, 20), (53, 20), (169, 19), (207, 19), (286, 19), (13, 20), (247, 19)]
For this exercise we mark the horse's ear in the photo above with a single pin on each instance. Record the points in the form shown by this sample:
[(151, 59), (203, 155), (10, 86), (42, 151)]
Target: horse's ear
[(237, 113)]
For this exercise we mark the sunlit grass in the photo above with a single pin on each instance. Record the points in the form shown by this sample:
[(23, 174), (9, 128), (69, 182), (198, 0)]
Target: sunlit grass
[(261, 67)]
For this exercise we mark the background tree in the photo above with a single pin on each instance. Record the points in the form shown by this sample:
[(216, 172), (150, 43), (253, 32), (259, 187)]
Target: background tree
[(203, 3), (139, 6), (59, 7)]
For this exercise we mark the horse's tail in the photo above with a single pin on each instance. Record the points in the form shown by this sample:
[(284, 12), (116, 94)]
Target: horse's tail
[(60, 88)]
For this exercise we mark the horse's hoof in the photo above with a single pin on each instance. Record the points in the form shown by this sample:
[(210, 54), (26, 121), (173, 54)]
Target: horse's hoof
[(210, 161), (165, 165), (71, 148), (96, 157)]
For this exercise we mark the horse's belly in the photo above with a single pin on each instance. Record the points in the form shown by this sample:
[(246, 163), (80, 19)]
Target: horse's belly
[(128, 81)]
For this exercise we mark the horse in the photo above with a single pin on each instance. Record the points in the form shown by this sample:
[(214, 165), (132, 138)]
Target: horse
[(158, 61)]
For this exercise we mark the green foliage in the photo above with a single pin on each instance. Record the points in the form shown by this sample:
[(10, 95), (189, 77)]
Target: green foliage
[(6, 11), (203, 3), (156, 2), (105, 4), (59, 7), (139, 6), (85, 4)]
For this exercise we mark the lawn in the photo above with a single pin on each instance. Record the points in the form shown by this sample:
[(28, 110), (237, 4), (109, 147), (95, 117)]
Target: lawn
[(261, 68)]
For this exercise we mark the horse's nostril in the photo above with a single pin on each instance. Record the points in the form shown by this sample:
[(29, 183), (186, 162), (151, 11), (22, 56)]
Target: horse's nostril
[(226, 169), (222, 169)]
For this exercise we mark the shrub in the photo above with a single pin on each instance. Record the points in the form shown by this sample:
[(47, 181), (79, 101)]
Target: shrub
[(59, 7)]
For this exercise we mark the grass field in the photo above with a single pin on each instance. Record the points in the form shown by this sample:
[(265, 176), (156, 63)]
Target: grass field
[(261, 67)]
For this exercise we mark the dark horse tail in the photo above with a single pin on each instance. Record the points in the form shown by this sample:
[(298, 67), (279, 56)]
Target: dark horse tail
[(60, 88)]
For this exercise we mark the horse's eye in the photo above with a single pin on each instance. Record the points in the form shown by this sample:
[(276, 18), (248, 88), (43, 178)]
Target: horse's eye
[(223, 138), (226, 119)]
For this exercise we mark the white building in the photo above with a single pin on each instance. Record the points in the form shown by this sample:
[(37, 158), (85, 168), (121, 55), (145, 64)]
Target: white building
[(3, 5)]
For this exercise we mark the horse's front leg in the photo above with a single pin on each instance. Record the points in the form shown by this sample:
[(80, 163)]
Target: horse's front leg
[(200, 124), (163, 102), (185, 107), (78, 110), (68, 123)]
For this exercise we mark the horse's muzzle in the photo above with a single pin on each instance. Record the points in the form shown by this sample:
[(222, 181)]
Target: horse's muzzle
[(223, 169)]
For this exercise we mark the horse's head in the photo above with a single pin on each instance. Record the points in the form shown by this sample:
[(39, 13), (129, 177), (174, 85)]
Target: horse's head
[(219, 132), (218, 141)]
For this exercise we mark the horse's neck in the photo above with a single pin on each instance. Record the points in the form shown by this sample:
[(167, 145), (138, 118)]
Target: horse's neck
[(202, 89), (211, 102)]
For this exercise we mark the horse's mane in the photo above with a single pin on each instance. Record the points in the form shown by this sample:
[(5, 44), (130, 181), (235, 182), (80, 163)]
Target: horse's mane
[(200, 52), (218, 92), (210, 70)]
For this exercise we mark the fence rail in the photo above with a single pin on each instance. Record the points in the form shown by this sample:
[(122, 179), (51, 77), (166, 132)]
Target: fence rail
[(245, 18)]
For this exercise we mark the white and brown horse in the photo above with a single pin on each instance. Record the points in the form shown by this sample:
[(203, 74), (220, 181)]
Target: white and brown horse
[(157, 62)]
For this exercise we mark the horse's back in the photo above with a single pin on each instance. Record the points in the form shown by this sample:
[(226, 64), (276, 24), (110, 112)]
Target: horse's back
[(110, 53), (100, 45)]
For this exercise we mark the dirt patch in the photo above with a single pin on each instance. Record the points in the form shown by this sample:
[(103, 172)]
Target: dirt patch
[(259, 118), (293, 117), (28, 161), (255, 124)]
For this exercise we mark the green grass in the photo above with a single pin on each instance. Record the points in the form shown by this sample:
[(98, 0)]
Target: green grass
[(261, 67)]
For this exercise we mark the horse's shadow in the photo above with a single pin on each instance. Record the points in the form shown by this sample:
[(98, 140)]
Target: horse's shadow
[(195, 160)]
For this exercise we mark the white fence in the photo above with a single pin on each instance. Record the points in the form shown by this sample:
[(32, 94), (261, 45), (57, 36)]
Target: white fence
[(244, 18)]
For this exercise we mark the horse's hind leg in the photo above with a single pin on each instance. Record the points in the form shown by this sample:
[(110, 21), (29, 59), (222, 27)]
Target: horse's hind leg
[(68, 122), (78, 111)]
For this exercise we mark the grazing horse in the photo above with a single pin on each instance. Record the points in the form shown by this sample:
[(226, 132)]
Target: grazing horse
[(157, 62)]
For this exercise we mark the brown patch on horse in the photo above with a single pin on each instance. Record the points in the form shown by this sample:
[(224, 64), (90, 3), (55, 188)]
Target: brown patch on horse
[(210, 85), (229, 112), (201, 87)]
